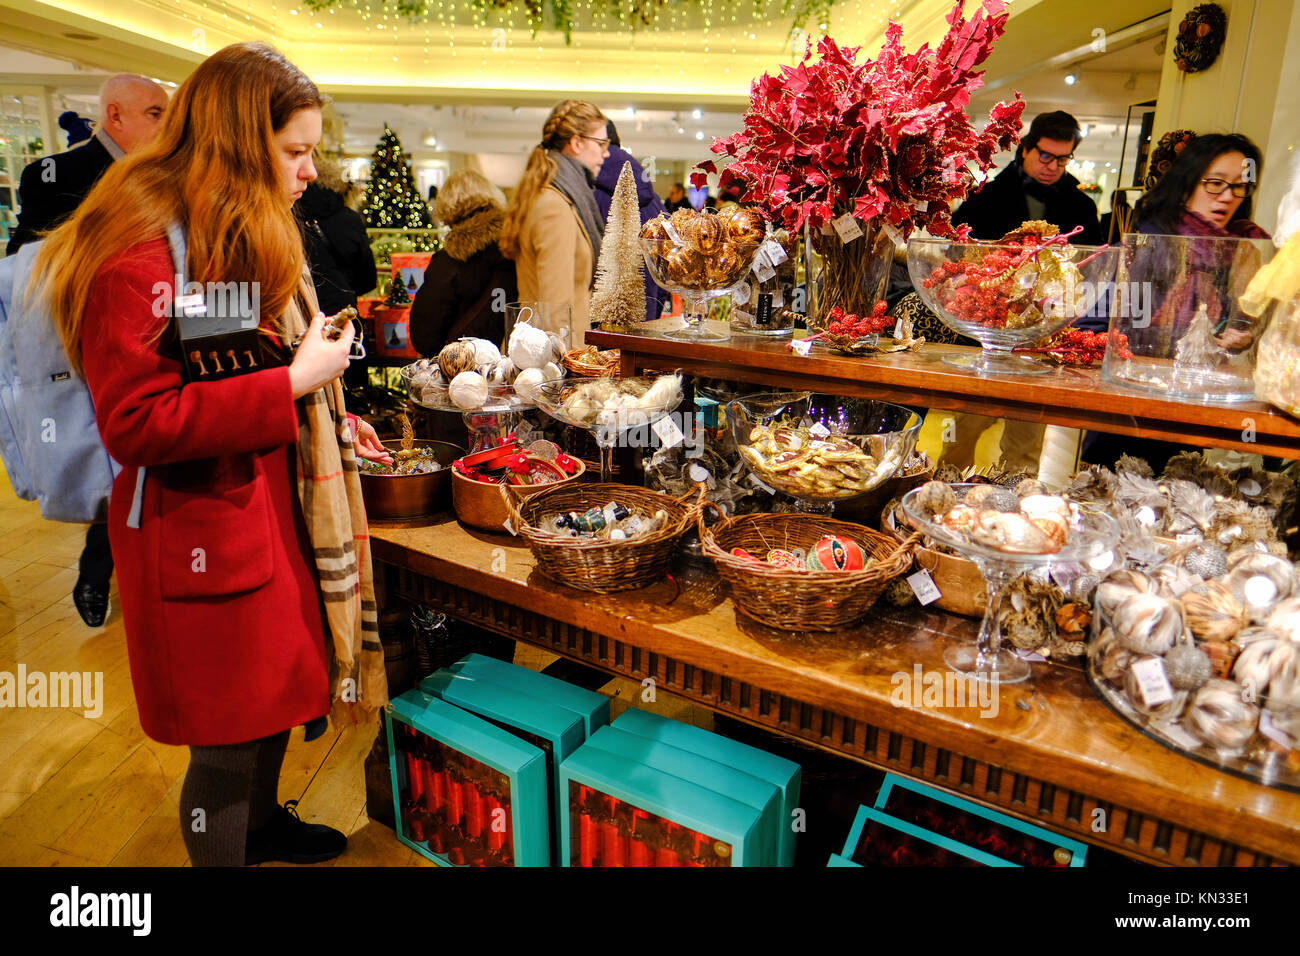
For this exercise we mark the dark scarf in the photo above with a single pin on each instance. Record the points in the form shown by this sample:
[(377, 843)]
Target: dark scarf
[(1194, 224), (574, 180)]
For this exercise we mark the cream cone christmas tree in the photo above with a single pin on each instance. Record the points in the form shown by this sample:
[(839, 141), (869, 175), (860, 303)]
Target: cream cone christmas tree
[(618, 301)]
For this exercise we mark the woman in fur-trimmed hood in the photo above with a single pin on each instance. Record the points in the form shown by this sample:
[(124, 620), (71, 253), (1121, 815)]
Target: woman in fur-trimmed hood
[(469, 281)]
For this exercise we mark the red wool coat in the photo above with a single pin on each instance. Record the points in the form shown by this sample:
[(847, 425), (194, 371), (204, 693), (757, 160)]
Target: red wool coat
[(218, 591)]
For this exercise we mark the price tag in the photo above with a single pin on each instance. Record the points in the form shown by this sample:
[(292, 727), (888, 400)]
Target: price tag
[(191, 304), (1152, 682), (672, 232), (894, 235), (778, 299), (763, 269), (758, 482), (819, 430), (741, 294), (509, 526), (668, 432), (923, 586), (1188, 538), (801, 347), (898, 329), (826, 229), (847, 228), (1028, 655), (774, 251), (1181, 737), (1273, 732)]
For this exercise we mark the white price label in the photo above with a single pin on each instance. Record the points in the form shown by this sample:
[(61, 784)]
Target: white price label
[(1273, 732), (668, 431), (774, 252), (1181, 737), (742, 294), (819, 430), (923, 586), (1189, 538), (758, 482), (764, 271), (509, 526), (898, 329), (801, 346), (826, 229), (778, 299), (1152, 682), (847, 228), (672, 232), (894, 235)]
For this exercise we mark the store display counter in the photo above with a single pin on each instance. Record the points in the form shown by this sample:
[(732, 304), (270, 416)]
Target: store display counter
[(1047, 750), (1075, 397)]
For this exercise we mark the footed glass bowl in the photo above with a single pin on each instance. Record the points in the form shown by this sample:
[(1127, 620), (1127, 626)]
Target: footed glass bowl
[(698, 278), (1006, 296)]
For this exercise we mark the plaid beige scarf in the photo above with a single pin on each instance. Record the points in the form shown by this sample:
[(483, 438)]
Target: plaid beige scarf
[(329, 488)]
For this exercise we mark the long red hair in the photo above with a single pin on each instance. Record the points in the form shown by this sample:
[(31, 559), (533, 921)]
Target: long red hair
[(211, 168)]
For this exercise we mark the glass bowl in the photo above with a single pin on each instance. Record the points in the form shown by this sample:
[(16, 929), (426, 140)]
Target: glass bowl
[(618, 411), (821, 449), (1090, 535), (1006, 297), (698, 277)]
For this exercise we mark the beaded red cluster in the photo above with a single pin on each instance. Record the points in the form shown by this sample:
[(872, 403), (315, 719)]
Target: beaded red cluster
[(856, 326), (1080, 347)]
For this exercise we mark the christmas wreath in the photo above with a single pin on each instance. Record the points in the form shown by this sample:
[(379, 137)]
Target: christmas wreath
[(1200, 37), (1166, 151)]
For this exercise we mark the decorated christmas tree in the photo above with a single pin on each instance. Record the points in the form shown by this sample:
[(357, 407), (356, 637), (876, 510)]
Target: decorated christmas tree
[(393, 201), (618, 301), (397, 294)]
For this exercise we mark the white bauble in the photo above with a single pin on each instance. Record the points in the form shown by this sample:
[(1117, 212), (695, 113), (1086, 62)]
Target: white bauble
[(528, 382), (468, 390), (530, 347), (485, 353), (551, 372)]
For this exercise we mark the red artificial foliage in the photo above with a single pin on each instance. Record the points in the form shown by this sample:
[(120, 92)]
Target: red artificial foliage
[(885, 137)]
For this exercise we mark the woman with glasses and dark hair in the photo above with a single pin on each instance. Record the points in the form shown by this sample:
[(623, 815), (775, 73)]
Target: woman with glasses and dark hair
[(1206, 192), (553, 227)]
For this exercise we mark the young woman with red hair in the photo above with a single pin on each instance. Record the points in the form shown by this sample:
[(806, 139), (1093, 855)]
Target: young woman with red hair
[(237, 523)]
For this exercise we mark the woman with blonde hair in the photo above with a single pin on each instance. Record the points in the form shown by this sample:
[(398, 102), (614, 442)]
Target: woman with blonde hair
[(237, 519), (552, 226), (468, 281)]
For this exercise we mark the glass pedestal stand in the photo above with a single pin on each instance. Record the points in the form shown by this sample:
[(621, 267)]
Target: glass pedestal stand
[(695, 308), (987, 659)]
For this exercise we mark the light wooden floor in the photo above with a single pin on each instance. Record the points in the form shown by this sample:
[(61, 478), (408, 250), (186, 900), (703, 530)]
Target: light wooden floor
[(76, 791)]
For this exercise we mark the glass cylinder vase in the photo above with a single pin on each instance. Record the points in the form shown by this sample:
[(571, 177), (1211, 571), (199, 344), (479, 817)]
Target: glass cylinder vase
[(854, 275)]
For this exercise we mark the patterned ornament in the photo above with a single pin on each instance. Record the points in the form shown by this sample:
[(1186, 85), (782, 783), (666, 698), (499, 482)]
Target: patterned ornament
[(833, 553)]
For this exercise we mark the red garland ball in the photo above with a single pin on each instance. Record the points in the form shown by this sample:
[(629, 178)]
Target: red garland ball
[(833, 553)]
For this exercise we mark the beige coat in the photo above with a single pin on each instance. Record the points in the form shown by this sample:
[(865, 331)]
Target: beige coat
[(554, 263)]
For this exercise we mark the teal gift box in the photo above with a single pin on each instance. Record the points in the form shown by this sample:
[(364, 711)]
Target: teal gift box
[(592, 707), (1016, 841), (739, 786), (555, 731), (877, 839), (623, 813), (781, 773), (465, 792)]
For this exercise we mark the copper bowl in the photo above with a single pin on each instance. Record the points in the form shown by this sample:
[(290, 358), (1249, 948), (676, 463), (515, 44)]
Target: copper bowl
[(479, 503), (398, 497)]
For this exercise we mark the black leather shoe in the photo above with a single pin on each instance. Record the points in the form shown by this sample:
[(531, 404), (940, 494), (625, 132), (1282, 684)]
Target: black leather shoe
[(286, 839), (92, 602)]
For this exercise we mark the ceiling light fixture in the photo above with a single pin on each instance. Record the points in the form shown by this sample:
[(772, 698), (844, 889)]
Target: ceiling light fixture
[(697, 114), (699, 134), (1071, 79)]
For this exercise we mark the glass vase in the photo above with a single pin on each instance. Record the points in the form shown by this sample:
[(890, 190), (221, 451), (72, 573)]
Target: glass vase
[(854, 275)]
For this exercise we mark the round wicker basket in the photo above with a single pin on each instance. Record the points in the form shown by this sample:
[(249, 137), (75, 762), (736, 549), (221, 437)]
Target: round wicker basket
[(802, 600), (595, 565)]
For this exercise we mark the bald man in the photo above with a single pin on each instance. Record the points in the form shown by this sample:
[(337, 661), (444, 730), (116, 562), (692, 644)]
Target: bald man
[(130, 113)]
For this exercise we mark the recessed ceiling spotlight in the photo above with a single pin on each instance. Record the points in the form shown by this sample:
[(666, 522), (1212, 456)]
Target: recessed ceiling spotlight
[(1071, 79), (631, 111), (697, 114), (699, 134)]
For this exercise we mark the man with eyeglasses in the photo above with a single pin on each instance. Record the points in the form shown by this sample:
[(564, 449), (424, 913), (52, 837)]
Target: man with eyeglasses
[(1035, 186), (50, 189)]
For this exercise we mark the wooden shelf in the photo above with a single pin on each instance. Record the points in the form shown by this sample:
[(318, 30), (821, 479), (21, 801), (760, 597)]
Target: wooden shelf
[(1064, 396), (1052, 753)]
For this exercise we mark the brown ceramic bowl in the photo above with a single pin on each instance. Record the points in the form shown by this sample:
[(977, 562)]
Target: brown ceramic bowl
[(399, 497), (480, 505)]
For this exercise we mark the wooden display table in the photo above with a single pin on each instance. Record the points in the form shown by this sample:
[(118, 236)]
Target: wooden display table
[(1053, 753), (1064, 396)]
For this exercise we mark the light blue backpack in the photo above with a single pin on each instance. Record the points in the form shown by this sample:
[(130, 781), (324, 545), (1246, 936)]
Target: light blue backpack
[(49, 444)]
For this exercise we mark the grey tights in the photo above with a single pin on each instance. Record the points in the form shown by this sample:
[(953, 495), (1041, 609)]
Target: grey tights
[(228, 791)]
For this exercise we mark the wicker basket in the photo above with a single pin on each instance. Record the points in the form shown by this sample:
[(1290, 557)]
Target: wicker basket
[(601, 566), (578, 361), (801, 600)]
